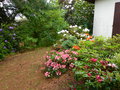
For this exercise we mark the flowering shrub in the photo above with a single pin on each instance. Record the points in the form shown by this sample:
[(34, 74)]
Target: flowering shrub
[(73, 35), (9, 41), (58, 62), (97, 67), (76, 31), (94, 73)]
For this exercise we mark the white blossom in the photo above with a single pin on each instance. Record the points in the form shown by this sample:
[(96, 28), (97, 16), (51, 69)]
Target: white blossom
[(82, 35), (86, 30), (72, 8), (75, 26), (80, 27), (71, 26), (113, 65), (59, 32), (64, 34)]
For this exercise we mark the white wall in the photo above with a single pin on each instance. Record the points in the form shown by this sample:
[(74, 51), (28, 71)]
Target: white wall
[(103, 17)]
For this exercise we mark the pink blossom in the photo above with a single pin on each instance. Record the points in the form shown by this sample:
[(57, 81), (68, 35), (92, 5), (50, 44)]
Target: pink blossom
[(61, 53), (58, 73), (89, 74), (100, 80), (71, 65), (57, 57), (74, 52), (64, 61), (47, 74), (63, 66), (75, 58), (48, 62), (67, 51), (93, 60), (48, 57), (69, 58), (52, 51), (103, 62), (98, 77), (65, 56), (86, 67), (57, 66), (53, 64)]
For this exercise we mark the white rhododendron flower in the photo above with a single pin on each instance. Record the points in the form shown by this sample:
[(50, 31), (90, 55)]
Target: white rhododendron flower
[(86, 30), (80, 27), (59, 32), (71, 26), (72, 8), (113, 65), (82, 35), (75, 26), (64, 34)]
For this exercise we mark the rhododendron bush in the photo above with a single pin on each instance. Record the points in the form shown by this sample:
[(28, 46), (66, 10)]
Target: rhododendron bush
[(73, 35), (94, 70), (58, 62), (96, 73)]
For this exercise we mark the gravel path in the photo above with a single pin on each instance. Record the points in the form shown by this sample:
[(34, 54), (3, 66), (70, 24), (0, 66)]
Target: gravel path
[(22, 72)]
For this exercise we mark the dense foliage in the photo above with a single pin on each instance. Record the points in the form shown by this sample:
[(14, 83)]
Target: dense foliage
[(9, 40), (97, 65), (95, 68), (43, 23), (80, 13)]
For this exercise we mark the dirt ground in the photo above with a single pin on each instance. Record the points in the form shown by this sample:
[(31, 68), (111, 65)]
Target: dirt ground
[(22, 72)]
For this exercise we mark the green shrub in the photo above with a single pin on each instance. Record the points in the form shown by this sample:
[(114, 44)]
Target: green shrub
[(42, 24)]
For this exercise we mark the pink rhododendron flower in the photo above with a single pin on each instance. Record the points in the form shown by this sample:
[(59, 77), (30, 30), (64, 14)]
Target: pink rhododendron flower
[(48, 57), (57, 57), (103, 62), (58, 73), (47, 74), (74, 52), (67, 51), (61, 53), (86, 67), (64, 61), (69, 58), (100, 80), (64, 56), (75, 58), (52, 51), (56, 67), (89, 74), (98, 77), (72, 65), (63, 66), (53, 64), (48, 62), (93, 60)]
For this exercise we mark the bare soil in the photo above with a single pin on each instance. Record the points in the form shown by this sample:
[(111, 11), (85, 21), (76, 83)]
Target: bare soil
[(22, 72)]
